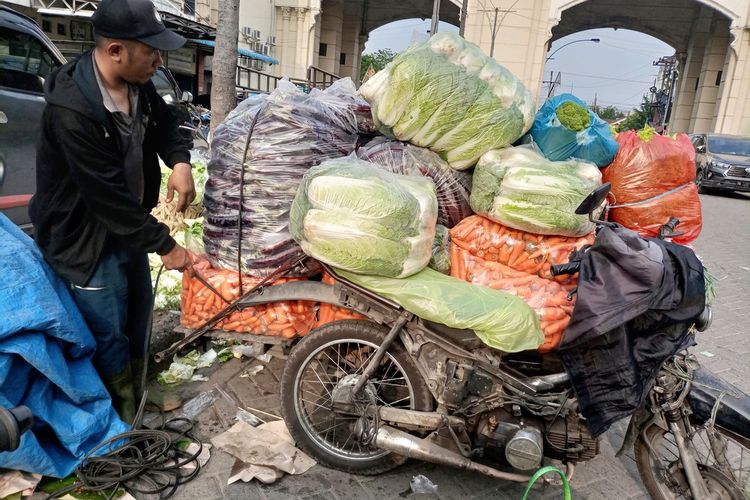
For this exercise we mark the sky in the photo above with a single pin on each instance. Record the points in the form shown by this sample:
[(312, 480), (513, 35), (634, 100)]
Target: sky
[(617, 71)]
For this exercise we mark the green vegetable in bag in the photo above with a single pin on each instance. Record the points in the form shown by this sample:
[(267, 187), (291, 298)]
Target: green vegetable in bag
[(500, 320), (573, 116)]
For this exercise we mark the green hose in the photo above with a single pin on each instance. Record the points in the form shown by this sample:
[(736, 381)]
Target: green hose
[(543, 471)]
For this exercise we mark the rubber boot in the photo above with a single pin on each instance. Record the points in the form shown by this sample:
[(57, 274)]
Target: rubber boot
[(121, 389)]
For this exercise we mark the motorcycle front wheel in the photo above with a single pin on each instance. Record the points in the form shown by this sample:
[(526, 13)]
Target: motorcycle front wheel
[(727, 476), (322, 363)]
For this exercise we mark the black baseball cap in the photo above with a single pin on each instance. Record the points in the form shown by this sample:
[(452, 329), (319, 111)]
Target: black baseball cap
[(134, 20)]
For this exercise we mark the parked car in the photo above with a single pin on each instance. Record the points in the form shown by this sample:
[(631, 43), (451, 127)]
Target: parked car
[(27, 56), (722, 162)]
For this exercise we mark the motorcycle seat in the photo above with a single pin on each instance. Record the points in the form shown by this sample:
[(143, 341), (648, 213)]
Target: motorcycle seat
[(466, 339)]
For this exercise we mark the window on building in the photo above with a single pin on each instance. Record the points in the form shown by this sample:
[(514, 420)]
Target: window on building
[(188, 7), (323, 50), (24, 63), (61, 29), (718, 78), (47, 26), (342, 58)]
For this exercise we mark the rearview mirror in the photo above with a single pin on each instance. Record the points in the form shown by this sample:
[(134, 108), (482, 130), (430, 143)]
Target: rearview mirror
[(701, 148), (187, 96), (594, 200)]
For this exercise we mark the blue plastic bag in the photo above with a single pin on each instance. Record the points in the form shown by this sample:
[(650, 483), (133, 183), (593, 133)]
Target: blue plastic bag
[(594, 143), (45, 364)]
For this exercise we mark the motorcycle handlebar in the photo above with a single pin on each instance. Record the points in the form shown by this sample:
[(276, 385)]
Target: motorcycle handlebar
[(567, 268)]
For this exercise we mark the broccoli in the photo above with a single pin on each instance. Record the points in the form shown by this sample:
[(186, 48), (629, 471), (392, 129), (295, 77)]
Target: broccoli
[(573, 116)]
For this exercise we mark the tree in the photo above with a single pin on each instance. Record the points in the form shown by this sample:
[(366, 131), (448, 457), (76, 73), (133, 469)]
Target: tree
[(223, 94), (609, 113), (638, 117), (377, 59)]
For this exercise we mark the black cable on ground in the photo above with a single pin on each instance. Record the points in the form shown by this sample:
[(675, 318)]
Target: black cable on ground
[(144, 462)]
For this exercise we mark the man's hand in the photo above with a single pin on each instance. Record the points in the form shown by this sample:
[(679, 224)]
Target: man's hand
[(180, 259), (181, 180)]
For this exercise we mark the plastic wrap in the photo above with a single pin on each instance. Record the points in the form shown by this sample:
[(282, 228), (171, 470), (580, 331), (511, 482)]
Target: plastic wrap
[(652, 181), (499, 319), (287, 319), (441, 248), (594, 142), (293, 132), (446, 95), (547, 298), (519, 188), (521, 251), (452, 186), (356, 217), (328, 313)]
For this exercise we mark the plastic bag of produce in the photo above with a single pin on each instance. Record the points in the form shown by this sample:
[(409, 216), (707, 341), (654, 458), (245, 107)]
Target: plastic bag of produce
[(441, 257), (547, 298), (446, 95), (293, 132), (521, 189), (565, 128), (452, 186), (521, 251), (198, 303), (499, 319), (354, 216), (328, 313), (652, 181)]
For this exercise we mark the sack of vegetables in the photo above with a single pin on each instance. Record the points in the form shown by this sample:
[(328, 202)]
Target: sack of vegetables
[(565, 128), (354, 216), (453, 186), (446, 95), (519, 188), (252, 182)]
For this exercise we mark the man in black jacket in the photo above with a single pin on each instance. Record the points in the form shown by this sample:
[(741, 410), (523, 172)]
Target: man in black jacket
[(98, 178)]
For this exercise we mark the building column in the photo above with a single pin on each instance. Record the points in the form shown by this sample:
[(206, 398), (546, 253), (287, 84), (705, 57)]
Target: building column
[(295, 28), (709, 80), (331, 25), (733, 107), (687, 84), (350, 39)]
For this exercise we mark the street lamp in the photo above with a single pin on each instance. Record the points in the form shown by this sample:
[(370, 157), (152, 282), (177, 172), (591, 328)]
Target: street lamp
[(595, 40)]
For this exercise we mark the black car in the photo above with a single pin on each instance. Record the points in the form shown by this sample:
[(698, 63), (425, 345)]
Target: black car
[(722, 162), (27, 56)]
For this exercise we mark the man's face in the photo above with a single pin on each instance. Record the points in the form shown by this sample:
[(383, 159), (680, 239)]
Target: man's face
[(139, 62)]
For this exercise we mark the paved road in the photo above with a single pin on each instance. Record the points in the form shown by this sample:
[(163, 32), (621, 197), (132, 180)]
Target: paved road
[(724, 246)]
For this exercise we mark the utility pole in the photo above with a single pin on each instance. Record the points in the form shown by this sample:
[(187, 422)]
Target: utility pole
[(462, 23), (495, 25), (435, 17)]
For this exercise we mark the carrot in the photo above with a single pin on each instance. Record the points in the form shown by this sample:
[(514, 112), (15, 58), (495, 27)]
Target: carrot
[(552, 313), (278, 327)]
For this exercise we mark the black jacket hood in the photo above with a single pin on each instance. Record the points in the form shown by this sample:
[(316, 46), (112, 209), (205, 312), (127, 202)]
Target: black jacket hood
[(73, 86)]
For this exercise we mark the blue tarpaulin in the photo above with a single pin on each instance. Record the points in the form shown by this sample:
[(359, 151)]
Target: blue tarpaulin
[(45, 363), (243, 52)]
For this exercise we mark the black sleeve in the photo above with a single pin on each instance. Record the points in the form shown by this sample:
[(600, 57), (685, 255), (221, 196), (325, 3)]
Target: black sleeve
[(97, 171), (173, 147)]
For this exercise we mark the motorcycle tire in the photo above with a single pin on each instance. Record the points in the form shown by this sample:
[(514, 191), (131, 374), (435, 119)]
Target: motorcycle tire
[(656, 483), (361, 335)]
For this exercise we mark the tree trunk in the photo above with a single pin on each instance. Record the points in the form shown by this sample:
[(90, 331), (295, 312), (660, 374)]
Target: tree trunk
[(223, 96)]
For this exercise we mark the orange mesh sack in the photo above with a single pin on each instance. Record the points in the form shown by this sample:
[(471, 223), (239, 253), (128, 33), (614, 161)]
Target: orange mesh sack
[(652, 181), (329, 313), (522, 251), (547, 298), (287, 319)]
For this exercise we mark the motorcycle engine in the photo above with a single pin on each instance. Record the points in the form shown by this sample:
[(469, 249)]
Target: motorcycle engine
[(521, 442)]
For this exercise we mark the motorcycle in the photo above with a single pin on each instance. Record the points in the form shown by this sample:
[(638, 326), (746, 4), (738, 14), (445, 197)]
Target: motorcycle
[(363, 396)]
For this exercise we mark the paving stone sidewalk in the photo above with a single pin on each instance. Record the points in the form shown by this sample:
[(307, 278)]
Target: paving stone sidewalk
[(725, 247)]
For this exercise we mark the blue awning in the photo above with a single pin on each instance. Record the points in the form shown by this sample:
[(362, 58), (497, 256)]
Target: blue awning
[(243, 52)]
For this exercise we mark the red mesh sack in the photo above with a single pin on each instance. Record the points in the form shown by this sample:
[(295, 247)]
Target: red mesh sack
[(652, 181), (329, 313)]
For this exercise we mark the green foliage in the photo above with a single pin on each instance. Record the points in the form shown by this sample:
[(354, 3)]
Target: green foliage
[(573, 116), (608, 113), (377, 60), (637, 118)]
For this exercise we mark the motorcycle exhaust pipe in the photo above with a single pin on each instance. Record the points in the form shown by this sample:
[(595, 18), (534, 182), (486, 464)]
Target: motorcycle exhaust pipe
[(402, 443)]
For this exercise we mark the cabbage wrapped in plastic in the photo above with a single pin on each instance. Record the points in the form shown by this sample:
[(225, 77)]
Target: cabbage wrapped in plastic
[(351, 215), (452, 186), (521, 189), (446, 95), (501, 320)]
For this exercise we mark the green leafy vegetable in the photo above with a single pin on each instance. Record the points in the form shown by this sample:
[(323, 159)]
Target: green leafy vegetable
[(573, 116)]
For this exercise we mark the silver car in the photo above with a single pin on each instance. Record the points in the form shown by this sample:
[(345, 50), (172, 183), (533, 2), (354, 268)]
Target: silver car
[(722, 162)]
